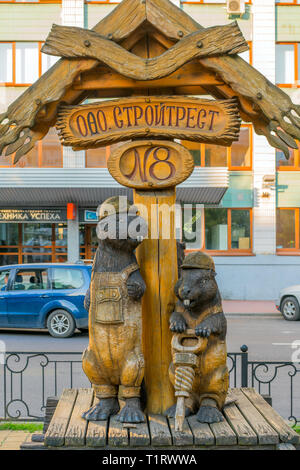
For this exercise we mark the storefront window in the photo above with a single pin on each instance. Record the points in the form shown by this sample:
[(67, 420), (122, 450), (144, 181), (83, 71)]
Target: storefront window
[(9, 239), (286, 229), (88, 241), (32, 243), (240, 230), (192, 228), (216, 229), (228, 230)]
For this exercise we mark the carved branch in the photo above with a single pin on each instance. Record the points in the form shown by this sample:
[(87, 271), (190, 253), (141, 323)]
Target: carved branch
[(74, 42)]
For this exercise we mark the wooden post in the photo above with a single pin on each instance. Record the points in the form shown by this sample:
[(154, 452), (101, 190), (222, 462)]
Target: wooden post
[(157, 258)]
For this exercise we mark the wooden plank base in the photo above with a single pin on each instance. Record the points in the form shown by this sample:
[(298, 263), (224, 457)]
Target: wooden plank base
[(249, 423)]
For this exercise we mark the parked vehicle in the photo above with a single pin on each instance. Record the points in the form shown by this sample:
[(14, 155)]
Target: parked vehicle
[(288, 303), (44, 296)]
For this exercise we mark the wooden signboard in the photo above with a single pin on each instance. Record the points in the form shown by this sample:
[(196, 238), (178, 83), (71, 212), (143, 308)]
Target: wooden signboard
[(150, 164), (99, 124)]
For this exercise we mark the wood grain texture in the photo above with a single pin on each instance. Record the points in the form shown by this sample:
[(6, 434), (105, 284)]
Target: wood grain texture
[(139, 435), (96, 432), (191, 74), (117, 433), (69, 41), (286, 433), (223, 433), (181, 438), (245, 434), (265, 433), (159, 431), (55, 435), (76, 431), (159, 299), (97, 124), (202, 433)]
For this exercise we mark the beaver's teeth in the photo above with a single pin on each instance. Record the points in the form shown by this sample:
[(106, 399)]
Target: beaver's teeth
[(186, 302), (140, 238)]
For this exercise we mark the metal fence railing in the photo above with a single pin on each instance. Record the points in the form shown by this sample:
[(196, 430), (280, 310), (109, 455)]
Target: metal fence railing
[(28, 378)]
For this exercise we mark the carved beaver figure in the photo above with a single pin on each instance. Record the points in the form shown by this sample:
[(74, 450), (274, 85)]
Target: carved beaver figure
[(113, 361), (199, 307)]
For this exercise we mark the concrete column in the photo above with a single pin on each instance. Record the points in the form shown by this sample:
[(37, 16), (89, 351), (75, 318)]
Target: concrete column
[(73, 15), (73, 240), (264, 161)]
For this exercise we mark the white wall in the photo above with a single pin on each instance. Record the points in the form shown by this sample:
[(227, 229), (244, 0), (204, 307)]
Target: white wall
[(264, 229)]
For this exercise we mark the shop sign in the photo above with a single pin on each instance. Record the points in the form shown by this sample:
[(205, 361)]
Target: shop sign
[(32, 215)]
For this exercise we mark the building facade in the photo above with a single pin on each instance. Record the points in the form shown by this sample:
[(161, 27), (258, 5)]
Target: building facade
[(48, 199)]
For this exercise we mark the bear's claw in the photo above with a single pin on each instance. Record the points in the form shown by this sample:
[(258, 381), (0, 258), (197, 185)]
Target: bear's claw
[(209, 414), (131, 413), (102, 410)]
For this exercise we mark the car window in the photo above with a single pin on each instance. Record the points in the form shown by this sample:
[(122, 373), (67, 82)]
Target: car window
[(30, 279), (4, 275), (65, 278)]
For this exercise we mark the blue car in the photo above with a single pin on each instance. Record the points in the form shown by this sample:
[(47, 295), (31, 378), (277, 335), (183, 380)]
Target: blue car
[(44, 296)]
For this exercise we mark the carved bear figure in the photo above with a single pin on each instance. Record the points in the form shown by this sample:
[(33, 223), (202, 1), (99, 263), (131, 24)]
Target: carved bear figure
[(113, 361), (199, 307)]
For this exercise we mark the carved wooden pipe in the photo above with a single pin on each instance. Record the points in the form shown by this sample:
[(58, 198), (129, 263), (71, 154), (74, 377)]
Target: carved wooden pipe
[(185, 361)]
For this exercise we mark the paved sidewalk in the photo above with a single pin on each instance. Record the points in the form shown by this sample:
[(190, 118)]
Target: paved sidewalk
[(255, 307), (11, 440)]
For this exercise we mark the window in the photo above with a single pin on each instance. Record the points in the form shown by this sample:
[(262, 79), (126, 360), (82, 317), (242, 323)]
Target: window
[(4, 275), (218, 230), (30, 279), (64, 278), (236, 157), (287, 64), (292, 164), (192, 227), (287, 230), (97, 158), (32, 243), (22, 63), (88, 241), (6, 61), (288, 2), (228, 230)]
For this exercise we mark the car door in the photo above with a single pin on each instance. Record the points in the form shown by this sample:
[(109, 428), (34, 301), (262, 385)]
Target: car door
[(28, 294), (4, 282), (68, 284)]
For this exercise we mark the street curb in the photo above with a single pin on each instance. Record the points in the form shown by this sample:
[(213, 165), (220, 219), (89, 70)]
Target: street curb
[(270, 315)]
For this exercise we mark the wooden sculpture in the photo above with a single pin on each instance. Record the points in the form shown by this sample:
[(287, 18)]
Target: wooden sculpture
[(152, 57), (202, 380), (113, 361)]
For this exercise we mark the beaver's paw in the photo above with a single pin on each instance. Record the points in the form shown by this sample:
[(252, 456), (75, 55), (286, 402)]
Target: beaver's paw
[(102, 410), (178, 326), (202, 331), (131, 413), (209, 414), (135, 290), (170, 413)]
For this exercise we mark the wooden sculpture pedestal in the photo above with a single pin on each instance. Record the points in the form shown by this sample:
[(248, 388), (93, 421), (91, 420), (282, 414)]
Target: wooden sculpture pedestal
[(250, 423)]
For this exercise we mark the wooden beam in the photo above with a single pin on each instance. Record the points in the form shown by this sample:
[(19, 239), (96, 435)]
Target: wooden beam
[(69, 41), (102, 78)]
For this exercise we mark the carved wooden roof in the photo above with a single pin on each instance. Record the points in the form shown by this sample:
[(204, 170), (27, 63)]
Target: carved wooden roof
[(93, 60)]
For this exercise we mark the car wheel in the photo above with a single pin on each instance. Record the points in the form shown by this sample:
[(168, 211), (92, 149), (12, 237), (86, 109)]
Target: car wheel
[(290, 309), (61, 324)]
